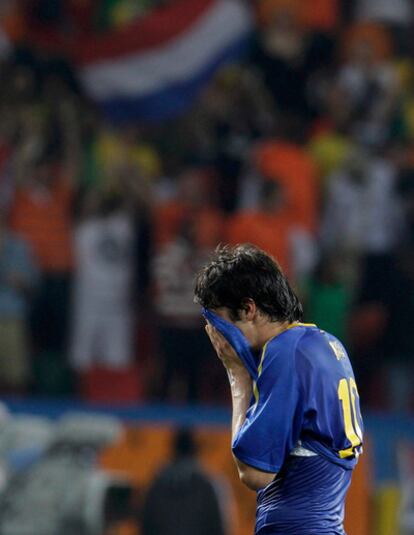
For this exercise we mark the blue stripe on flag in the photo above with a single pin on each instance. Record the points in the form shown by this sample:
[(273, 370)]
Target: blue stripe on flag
[(174, 100)]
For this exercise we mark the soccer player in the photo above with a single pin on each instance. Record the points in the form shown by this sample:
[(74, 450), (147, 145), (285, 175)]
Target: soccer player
[(296, 424)]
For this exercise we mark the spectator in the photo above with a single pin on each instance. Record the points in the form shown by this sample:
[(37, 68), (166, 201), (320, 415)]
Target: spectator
[(327, 297), (272, 227), (289, 57), (231, 133), (383, 343), (329, 150), (12, 25), (186, 231), (18, 276), (322, 15), (362, 213), (289, 164), (183, 500), (112, 149), (367, 88), (399, 13), (102, 308), (42, 214)]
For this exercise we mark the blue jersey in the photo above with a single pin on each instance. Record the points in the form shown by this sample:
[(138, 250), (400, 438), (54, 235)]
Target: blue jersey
[(304, 424)]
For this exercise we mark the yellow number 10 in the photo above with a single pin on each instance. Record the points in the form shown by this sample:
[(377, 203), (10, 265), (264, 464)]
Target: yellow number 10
[(347, 392)]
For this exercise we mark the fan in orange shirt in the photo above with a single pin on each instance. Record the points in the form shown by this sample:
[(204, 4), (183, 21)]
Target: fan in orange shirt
[(192, 207), (41, 213), (268, 226), (290, 165)]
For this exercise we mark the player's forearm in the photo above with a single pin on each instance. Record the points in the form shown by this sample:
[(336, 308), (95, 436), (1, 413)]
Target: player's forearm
[(241, 392)]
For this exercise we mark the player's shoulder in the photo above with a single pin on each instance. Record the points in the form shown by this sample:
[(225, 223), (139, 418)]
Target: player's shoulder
[(311, 338), (298, 333), (286, 344), (304, 338), (304, 349), (317, 349)]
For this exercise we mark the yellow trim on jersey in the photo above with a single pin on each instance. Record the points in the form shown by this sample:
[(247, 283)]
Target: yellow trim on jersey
[(346, 453), (259, 372), (300, 324), (255, 392)]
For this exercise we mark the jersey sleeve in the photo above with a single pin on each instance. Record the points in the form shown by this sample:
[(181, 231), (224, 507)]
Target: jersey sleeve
[(273, 422)]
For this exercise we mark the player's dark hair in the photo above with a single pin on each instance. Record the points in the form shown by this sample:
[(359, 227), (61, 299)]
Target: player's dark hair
[(238, 273)]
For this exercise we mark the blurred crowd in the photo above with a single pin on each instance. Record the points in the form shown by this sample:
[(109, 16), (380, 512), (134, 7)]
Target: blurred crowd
[(305, 148)]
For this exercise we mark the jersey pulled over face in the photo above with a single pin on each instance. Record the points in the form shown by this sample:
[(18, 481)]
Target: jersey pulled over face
[(303, 423)]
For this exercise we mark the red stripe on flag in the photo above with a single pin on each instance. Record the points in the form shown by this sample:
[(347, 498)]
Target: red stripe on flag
[(154, 30)]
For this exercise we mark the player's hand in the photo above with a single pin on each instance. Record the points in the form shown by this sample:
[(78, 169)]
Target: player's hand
[(224, 350), (239, 378)]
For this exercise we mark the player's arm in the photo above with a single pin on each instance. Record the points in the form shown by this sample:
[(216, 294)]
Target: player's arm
[(241, 392)]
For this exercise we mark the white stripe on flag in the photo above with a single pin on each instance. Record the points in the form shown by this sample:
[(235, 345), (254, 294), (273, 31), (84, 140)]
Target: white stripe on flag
[(180, 59)]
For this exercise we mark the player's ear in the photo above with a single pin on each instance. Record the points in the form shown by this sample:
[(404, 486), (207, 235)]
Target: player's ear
[(249, 309)]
